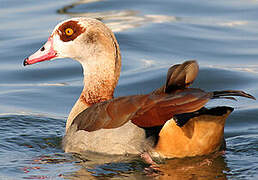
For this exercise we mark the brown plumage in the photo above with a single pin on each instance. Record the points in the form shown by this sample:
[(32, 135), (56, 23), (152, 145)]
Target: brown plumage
[(156, 108), (168, 122)]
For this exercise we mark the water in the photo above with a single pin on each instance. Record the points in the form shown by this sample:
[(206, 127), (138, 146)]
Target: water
[(35, 101)]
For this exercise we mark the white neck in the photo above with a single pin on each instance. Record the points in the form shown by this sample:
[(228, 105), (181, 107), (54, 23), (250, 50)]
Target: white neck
[(100, 78), (99, 54)]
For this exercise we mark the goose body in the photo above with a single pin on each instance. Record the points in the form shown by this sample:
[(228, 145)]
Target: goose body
[(168, 122)]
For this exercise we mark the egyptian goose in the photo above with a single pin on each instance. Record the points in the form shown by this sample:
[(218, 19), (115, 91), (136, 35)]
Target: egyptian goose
[(169, 122)]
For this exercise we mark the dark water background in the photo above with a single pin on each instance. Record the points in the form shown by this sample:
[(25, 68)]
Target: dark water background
[(35, 101)]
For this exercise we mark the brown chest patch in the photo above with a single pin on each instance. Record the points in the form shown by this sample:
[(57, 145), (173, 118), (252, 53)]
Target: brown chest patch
[(70, 30), (91, 98)]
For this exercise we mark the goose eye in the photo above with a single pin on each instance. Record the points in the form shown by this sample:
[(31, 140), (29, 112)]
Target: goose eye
[(69, 31)]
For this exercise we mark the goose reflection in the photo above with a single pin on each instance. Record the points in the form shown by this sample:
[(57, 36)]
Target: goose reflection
[(212, 167)]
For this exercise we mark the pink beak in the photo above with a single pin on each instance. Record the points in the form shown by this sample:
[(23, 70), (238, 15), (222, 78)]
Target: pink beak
[(47, 52)]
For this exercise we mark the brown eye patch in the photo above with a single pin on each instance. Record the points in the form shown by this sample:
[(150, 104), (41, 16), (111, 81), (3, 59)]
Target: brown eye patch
[(70, 30)]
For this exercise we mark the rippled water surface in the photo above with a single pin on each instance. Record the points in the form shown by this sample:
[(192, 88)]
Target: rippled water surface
[(35, 101)]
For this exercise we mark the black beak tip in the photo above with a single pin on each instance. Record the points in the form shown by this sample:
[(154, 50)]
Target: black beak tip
[(25, 63)]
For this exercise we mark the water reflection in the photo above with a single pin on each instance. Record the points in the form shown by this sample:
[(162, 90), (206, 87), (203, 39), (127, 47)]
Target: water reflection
[(195, 168), (118, 167), (234, 23), (117, 20), (251, 68)]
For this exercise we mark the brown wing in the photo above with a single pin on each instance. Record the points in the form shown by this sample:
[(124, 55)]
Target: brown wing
[(144, 110), (157, 111), (179, 76), (109, 114)]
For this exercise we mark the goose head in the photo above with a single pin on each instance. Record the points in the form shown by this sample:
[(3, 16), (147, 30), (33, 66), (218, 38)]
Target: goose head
[(91, 43), (78, 38)]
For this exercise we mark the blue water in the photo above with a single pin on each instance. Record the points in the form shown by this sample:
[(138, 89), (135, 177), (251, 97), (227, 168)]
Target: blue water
[(35, 101)]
